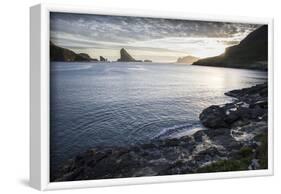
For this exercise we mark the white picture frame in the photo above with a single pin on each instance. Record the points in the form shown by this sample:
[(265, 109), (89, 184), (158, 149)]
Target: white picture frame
[(39, 97)]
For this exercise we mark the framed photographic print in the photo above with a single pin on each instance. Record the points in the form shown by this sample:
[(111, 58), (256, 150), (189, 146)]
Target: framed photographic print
[(132, 97)]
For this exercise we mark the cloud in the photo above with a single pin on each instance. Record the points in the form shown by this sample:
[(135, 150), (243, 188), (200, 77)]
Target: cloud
[(110, 32)]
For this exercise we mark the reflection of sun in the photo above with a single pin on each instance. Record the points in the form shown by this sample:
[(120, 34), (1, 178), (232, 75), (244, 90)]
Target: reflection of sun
[(220, 78)]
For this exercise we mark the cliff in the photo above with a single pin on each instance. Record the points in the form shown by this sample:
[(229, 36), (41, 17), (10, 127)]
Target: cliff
[(187, 59), (250, 53), (62, 54)]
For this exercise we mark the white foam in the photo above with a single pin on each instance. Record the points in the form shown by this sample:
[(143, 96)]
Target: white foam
[(178, 131)]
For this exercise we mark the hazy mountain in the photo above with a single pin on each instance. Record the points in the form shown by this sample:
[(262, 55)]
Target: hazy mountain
[(188, 59)]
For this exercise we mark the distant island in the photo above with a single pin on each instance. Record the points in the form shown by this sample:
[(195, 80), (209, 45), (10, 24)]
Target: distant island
[(187, 60), (250, 53)]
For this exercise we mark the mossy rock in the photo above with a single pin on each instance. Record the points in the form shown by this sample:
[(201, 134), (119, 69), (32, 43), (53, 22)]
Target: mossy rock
[(262, 150), (245, 152), (226, 165)]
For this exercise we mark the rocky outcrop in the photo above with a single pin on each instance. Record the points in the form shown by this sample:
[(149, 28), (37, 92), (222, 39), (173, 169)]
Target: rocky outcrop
[(250, 53), (251, 105), (62, 54), (125, 56), (187, 59), (85, 56), (236, 140), (102, 59)]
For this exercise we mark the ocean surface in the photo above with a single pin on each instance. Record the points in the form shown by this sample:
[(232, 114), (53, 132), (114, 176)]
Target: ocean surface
[(122, 104)]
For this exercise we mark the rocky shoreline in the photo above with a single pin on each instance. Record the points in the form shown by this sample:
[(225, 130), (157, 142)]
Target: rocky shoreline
[(235, 139)]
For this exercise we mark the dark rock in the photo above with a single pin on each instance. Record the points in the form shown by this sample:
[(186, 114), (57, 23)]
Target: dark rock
[(198, 136), (214, 133), (259, 90), (62, 54), (102, 59), (172, 142), (261, 103), (232, 116), (213, 117), (252, 105)]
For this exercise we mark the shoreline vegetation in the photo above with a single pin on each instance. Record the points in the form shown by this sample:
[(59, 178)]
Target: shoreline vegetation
[(235, 140)]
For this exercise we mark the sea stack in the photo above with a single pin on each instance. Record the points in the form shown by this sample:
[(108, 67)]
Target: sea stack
[(102, 58), (125, 56)]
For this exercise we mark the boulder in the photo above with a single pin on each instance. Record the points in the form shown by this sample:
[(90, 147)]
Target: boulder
[(213, 117)]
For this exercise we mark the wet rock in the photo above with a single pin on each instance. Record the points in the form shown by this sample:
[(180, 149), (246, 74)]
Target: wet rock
[(252, 104), (254, 165), (213, 117)]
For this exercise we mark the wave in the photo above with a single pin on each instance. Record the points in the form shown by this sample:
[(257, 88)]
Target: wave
[(137, 68), (71, 68), (175, 130)]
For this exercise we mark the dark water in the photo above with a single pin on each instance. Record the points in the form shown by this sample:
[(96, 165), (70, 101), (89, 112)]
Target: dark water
[(108, 104)]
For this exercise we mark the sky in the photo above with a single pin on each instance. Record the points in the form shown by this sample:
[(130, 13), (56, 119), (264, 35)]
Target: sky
[(157, 39)]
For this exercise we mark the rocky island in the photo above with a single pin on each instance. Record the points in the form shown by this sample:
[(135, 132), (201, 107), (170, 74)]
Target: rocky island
[(102, 59), (250, 53), (125, 56), (235, 140)]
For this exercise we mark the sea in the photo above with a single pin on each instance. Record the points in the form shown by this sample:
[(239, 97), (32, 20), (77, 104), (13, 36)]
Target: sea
[(99, 105)]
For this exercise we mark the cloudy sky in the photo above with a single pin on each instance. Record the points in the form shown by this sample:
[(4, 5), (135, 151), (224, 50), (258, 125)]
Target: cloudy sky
[(161, 40)]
